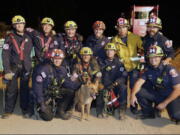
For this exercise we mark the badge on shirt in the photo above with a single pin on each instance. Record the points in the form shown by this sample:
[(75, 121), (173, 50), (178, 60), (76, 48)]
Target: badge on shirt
[(169, 43), (39, 78), (121, 69), (55, 42), (173, 73), (103, 43), (6, 46), (43, 75), (150, 77), (26, 40)]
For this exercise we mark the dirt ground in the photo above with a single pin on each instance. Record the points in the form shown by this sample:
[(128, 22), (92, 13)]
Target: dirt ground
[(18, 125)]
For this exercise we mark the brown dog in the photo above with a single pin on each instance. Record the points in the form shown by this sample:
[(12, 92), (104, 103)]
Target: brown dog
[(85, 95)]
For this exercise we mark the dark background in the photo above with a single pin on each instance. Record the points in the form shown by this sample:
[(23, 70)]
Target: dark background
[(85, 12)]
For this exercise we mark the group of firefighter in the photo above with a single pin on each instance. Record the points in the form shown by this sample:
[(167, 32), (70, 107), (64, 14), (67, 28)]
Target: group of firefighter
[(63, 60)]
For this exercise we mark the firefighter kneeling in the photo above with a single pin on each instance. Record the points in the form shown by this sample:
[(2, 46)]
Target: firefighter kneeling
[(53, 90), (114, 78), (157, 88)]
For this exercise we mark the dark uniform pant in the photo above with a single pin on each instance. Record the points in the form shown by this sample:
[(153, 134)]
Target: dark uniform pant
[(12, 93), (63, 105), (133, 76), (146, 98)]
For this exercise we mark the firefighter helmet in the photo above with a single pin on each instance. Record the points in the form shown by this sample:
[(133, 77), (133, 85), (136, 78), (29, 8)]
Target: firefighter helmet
[(47, 20), (110, 46), (18, 19), (70, 24), (155, 50), (86, 51), (99, 25), (57, 54), (155, 22), (122, 22)]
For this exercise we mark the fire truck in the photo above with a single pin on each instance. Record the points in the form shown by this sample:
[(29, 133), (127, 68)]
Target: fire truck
[(140, 16)]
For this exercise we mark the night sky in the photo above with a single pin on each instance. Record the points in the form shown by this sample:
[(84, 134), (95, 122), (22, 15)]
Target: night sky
[(85, 12)]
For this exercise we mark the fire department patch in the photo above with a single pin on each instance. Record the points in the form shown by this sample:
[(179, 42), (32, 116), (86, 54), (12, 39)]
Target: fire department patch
[(169, 43), (121, 69), (55, 42), (6, 46), (173, 73), (103, 43), (39, 78), (26, 40), (43, 75)]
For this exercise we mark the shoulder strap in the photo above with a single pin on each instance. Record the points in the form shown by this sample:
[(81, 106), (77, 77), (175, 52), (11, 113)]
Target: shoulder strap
[(20, 50), (14, 42)]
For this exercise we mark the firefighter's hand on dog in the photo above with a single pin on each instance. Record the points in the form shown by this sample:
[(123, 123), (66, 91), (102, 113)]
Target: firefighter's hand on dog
[(161, 106), (133, 101), (166, 61), (99, 74), (74, 76)]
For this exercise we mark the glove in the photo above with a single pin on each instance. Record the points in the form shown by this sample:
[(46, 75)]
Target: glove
[(108, 68), (8, 76), (53, 32), (29, 29), (117, 82), (99, 74), (26, 75), (74, 76)]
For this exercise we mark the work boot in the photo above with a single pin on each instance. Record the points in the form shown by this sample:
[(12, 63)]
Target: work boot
[(177, 122), (122, 114), (102, 115), (27, 115), (157, 113), (64, 116), (70, 112), (6, 115), (134, 110), (145, 116)]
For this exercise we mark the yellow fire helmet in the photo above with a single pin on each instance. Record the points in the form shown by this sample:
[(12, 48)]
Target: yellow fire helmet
[(70, 24), (86, 51), (110, 46), (47, 20), (18, 19)]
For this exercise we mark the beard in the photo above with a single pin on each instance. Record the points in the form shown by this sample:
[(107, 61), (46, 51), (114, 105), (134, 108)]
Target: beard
[(152, 32)]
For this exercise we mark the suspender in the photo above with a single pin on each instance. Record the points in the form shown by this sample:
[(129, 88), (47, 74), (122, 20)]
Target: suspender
[(47, 43), (20, 50)]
